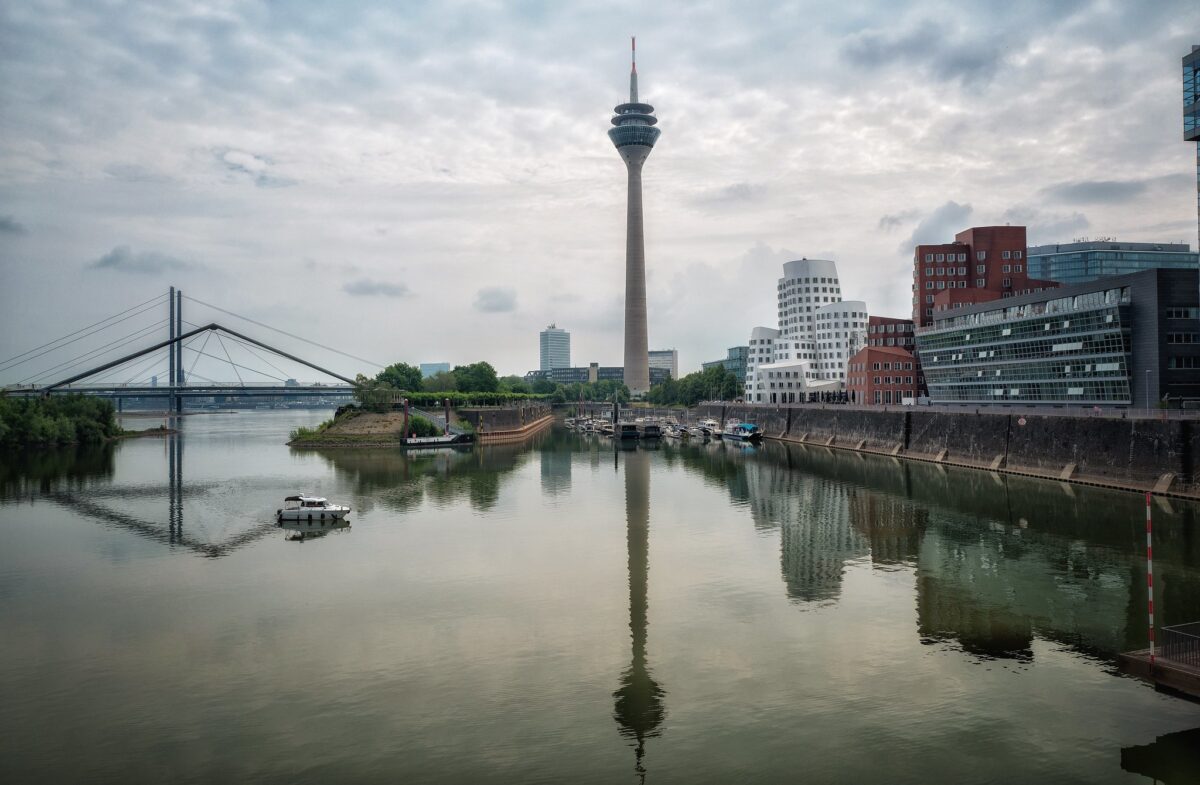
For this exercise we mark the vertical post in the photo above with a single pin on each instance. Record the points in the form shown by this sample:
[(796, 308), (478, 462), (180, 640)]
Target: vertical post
[(404, 432), (171, 350), (1150, 578), (447, 431), (179, 347)]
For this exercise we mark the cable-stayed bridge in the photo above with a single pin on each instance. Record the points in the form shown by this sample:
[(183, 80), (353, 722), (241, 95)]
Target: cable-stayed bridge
[(103, 359)]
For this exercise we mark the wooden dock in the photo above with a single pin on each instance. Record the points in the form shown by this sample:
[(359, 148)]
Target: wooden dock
[(1167, 673)]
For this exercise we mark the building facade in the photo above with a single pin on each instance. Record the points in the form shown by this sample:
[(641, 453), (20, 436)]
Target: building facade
[(633, 134), (734, 362), (593, 373), (433, 369), (1125, 341), (889, 331), (883, 375), (1068, 263), (666, 358), (983, 263), (1191, 115), (818, 333), (555, 345)]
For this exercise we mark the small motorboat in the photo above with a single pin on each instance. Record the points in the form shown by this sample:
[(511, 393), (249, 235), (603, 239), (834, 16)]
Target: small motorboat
[(305, 507), (742, 432)]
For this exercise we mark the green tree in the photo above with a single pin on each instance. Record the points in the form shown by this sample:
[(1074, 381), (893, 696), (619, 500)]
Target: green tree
[(514, 384), (400, 376), (476, 377), (543, 386), (442, 381)]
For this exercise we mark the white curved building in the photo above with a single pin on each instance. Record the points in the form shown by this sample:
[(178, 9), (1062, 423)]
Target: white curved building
[(818, 333)]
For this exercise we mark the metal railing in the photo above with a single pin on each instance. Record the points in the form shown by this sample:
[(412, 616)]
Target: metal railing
[(1181, 643)]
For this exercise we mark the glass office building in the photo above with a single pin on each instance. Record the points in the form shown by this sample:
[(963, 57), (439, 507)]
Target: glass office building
[(555, 348), (1130, 340), (1191, 111), (1081, 262)]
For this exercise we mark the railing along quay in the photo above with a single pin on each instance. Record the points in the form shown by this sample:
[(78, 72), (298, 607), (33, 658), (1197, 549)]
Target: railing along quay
[(1181, 643)]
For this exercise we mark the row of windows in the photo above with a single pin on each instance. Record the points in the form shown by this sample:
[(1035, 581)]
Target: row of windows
[(901, 327), (899, 366), (861, 381), (1057, 305), (1183, 338), (1113, 391), (1183, 362), (962, 257), (1183, 313)]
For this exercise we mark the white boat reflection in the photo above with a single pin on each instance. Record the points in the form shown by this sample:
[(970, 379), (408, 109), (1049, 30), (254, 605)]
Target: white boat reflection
[(299, 531)]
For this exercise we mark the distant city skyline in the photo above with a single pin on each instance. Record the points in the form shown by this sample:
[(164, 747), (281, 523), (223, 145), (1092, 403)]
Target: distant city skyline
[(394, 163)]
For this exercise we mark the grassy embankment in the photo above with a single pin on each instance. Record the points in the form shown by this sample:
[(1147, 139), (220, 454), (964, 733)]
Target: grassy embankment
[(355, 426)]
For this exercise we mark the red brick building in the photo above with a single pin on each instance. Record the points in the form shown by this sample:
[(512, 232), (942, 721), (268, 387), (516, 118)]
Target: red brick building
[(887, 331), (983, 263), (883, 375)]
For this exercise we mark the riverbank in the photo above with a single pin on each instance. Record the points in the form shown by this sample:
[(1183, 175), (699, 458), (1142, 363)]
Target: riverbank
[(1124, 454)]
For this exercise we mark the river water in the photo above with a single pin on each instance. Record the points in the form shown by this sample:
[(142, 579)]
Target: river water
[(564, 611)]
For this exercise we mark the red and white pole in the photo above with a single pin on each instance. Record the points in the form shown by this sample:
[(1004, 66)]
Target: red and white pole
[(1150, 577)]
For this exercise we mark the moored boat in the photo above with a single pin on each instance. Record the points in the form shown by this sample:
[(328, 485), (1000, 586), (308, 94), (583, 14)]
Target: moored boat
[(306, 507), (626, 430), (742, 432)]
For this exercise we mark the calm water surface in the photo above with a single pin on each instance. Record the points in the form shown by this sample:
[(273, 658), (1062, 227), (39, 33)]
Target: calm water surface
[(563, 611)]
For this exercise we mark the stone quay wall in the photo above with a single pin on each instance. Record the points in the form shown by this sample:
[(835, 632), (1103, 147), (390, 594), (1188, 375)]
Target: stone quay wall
[(503, 418), (1143, 454)]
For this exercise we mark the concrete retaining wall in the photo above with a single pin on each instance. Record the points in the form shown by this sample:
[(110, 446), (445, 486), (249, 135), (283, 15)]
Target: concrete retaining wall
[(503, 418), (1126, 452)]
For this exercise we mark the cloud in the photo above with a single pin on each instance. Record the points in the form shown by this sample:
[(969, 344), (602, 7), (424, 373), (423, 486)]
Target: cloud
[(1109, 191), (944, 53), (10, 225), (134, 173), (366, 287), (894, 220), (1047, 227), (124, 259), (940, 226), (256, 167), (731, 195), (496, 299)]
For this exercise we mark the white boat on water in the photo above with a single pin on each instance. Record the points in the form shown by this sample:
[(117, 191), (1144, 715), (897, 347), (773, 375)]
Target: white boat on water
[(304, 507)]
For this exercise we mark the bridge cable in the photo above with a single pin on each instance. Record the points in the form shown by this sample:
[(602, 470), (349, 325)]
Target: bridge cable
[(248, 348), (93, 354), (154, 360), (284, 332), (203, 346), (243, 367), (6, 363), (231, 362)]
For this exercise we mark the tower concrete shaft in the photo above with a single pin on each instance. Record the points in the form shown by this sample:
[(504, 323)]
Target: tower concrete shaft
[(634, 136)]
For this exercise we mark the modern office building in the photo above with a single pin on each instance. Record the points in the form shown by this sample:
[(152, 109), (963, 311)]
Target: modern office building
[(592, 373), (983, 263), (633, 133), (1089, 260), (734, 362), (433, 369), (1125, 341), (555, 345), (666, 358), (818, 333), (1191, 114)]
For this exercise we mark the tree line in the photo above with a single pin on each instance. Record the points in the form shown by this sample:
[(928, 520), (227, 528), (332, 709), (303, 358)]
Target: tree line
[(71, 419)]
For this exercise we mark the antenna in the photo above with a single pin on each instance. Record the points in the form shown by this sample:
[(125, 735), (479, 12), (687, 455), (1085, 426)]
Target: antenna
[(633, 49)]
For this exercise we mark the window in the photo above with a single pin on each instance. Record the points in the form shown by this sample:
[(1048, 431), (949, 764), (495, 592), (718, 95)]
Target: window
[(941, 271), (929, 298), (1184, 362), (941, 257), (1006, 255), (962, 271), (941, 284), (928, 257), (1181, 338), (980, 269), (962, 257), (928, 271), (1182, 313), (1017, 268), (980, 282), (1006, 268), (1008, 281), (929, 284), (980, 255), (1016, 254)]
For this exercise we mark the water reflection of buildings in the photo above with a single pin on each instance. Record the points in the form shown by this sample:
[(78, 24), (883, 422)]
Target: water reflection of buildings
[(556, 455), (997, 559), (638, 703)]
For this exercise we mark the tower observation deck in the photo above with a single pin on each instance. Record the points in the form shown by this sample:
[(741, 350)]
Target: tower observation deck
[(633, 133)]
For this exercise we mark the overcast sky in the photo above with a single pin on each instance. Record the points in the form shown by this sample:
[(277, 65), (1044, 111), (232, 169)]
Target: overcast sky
[(433, 182)]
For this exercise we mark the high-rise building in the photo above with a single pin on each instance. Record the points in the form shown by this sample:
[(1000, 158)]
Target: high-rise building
[(1091, 260), (555, 348), (634, 136), (1191, 114), (433, 369), (666, 358), (818, 333), (983, 263), (734, 362)]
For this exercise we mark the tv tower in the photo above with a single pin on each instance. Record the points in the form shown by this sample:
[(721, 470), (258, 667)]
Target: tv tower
[(634, 135)]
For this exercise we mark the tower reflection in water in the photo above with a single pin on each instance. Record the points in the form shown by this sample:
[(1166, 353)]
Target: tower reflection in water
[(638, 703)]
